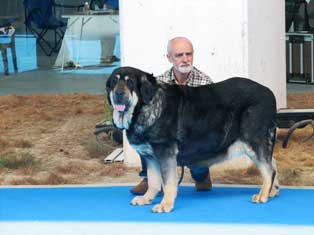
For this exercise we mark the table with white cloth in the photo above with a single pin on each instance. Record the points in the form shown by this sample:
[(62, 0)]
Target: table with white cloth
[(89, 38)]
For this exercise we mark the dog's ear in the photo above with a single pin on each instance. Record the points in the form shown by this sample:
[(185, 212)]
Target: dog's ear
[(108, 89), (148, 88)]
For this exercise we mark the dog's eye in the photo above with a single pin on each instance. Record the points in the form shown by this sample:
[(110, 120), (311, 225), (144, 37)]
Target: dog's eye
[(130, 83), (113, 81)]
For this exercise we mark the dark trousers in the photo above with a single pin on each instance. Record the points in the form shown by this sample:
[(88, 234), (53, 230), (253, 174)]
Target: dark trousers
[(199, 174)]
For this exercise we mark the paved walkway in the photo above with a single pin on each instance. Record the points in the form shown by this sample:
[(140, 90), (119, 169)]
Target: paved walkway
[(53, 81), (49, 83)]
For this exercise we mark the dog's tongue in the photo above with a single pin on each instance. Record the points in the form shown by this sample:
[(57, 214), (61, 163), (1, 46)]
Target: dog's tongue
[(119, 107)]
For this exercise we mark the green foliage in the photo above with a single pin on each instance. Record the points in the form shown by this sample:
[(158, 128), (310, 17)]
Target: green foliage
[(108, 110), (17, 160)]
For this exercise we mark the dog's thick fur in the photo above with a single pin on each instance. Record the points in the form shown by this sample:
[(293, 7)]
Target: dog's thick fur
[(194, 126)]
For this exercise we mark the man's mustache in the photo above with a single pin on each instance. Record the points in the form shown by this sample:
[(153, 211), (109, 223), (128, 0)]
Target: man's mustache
[(185, 64)]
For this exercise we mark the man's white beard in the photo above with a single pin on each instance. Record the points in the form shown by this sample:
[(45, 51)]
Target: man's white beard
[(184, 69)]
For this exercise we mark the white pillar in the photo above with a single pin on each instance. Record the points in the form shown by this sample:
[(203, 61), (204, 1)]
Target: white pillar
[(131, 158), (231, 37)]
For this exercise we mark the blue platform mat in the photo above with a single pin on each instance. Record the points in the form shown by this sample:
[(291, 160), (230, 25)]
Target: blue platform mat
[(222, 205), (26, 55)]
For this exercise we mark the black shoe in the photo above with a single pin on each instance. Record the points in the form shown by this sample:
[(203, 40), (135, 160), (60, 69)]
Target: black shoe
[(205, 185)]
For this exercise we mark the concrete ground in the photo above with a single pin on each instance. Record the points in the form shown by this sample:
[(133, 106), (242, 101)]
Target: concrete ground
[(52, 82)]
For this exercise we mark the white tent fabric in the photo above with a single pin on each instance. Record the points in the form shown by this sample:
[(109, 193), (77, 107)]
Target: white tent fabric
[(83, 30)]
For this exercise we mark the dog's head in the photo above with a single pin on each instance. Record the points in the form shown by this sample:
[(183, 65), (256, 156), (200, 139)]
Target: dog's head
[(127, 88)]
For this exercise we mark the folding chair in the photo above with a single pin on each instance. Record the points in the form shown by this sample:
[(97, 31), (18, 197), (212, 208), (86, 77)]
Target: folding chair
[(40, 18), (98, 4), (7, 40)]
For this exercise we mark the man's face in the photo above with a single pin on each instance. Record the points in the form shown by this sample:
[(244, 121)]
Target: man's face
[(181, 56)]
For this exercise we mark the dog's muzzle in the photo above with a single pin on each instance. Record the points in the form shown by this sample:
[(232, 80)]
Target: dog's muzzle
[(121, 101)]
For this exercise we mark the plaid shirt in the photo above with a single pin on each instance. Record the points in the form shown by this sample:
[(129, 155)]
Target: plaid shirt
[(196, 78)]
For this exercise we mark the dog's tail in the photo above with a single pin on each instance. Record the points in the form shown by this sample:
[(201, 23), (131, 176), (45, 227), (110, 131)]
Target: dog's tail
[(181, 175)]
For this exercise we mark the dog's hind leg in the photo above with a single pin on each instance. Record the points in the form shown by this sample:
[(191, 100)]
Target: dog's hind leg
[(275, 187), (258, 130), (271, 144), (262, 157), (263, 160), (268, 175), (154, 184)]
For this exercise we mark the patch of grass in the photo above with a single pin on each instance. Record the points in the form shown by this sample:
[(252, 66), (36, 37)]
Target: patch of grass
[(100, 148), (107, 110), (17, 143), (17, 160), (113, 170), (23, 181), (54, 179), (4, 144), (78, 111), (22, 144), (49, 179), (309, 163), (71, 168), (289, 176)]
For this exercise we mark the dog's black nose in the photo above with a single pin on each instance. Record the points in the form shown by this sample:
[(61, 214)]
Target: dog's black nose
[(119, 93)]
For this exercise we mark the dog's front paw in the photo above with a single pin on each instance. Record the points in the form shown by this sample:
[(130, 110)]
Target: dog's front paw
[(163, 208), (141, 201), (258, 198)]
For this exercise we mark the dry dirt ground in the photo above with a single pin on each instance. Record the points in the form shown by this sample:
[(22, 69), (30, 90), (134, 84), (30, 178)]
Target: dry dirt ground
[(48, 139)]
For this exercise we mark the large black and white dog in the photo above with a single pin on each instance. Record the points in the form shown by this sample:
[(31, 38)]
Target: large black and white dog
[(194, 126)]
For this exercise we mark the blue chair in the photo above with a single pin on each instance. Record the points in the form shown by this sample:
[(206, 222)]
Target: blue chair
[(114, 4), (40, 18)]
